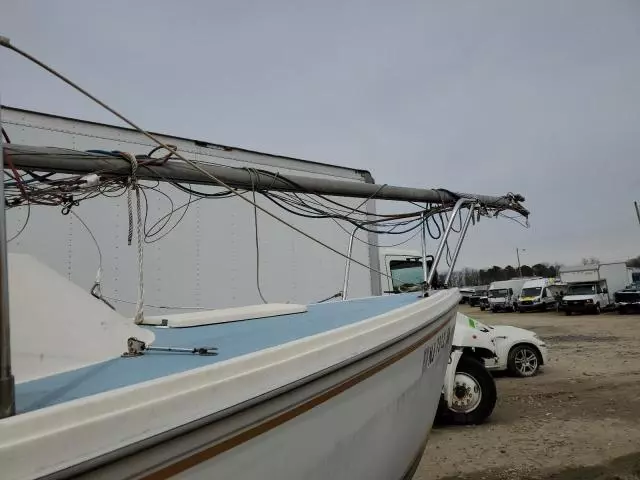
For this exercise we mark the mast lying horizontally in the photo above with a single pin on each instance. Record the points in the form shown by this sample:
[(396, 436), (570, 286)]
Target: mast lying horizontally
[(60, 160)]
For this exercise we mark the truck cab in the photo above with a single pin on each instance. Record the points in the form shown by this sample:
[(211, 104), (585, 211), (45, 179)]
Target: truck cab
[(536, 295), (628, 299), (503, 295), (404, 270), (500, 298), (586, 297), (478, 294), (466, 293), (589, 286)]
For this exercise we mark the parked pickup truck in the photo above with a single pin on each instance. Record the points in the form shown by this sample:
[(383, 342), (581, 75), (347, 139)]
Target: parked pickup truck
[(628, 299), (478, 293)]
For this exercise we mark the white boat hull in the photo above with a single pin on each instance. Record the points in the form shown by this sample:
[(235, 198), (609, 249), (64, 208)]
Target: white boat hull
[(354, 402), (368, 420)]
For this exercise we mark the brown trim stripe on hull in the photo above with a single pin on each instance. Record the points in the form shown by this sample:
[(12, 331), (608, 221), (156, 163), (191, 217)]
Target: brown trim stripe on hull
[(226, 445)]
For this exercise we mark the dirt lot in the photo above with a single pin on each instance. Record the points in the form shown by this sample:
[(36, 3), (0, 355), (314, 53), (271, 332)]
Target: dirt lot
[(578, 419)]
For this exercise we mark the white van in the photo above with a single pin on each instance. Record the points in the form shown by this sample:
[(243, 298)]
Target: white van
[(503, 295), (536, 295)]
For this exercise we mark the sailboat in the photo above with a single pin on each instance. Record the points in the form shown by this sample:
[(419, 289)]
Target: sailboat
[(343, 390)]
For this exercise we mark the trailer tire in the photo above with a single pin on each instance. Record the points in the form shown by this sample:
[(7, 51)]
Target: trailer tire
[(475, 394)]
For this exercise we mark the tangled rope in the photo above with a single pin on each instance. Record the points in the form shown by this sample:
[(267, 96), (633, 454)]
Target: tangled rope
[(133, 186)]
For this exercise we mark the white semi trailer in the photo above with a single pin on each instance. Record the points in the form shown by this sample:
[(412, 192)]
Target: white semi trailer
[(210, 260)]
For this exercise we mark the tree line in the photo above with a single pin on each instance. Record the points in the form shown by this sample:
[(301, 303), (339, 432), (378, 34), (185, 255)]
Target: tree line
[(471, 276)]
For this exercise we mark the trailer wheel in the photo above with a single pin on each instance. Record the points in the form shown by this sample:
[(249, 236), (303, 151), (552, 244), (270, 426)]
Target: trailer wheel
[(474, 394)]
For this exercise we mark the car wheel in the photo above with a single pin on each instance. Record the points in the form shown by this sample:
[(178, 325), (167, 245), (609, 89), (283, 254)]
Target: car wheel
[(474, 394), (598, 310), (481, 308), (524, 361)]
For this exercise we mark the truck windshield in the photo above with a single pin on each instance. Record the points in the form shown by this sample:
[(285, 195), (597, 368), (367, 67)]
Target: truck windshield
[(581, 290), (406, 272), (499, 292), (531, 292), (480, 293)]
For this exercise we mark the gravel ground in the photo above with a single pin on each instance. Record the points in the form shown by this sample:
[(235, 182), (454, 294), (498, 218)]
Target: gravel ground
[(578, 419)]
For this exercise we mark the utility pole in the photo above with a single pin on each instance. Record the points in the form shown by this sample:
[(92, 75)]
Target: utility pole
[(518, 255), (7, 397), (637, 210)]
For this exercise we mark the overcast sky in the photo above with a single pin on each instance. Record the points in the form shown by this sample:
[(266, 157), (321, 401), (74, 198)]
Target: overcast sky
[(537, 97)]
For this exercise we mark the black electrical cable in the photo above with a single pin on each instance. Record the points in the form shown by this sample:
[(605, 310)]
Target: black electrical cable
[(200, 194), (353, 222)]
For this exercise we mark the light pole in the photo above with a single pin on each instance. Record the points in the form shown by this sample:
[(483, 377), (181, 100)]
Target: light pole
[(635, 204), (518, 250)]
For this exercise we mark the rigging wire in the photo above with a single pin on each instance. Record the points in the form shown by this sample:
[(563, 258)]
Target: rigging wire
[(96, 289), (164, 307), (24, 225), (377, 245), (255, 226), (514, 219)]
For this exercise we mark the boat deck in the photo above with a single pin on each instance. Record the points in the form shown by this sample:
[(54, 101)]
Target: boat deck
[(232, 340)]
